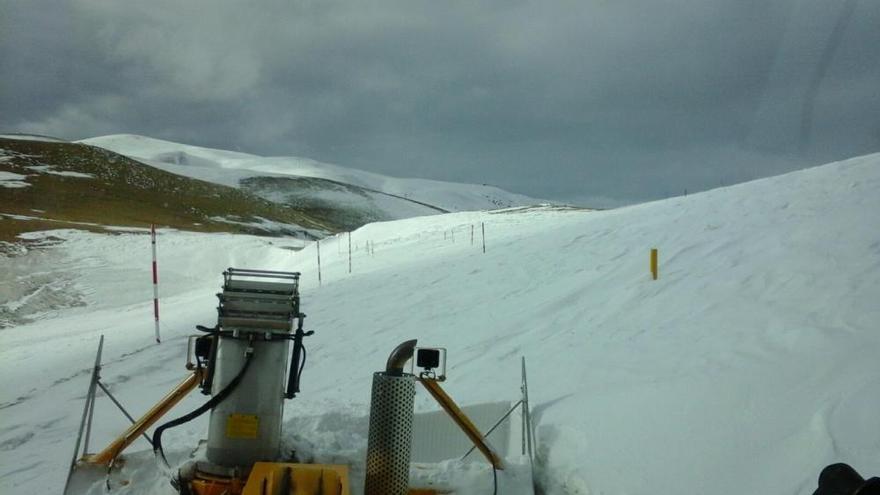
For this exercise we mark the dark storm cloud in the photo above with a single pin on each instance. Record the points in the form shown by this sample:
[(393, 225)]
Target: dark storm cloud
[(566, 100)]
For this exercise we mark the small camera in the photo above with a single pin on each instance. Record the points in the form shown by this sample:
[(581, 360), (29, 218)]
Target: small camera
[(430, 362), (428, 358)]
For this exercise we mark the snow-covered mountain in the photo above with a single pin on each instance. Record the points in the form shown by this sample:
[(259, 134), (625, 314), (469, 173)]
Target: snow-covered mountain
[(49, 184), (308, 183), (747, 367)]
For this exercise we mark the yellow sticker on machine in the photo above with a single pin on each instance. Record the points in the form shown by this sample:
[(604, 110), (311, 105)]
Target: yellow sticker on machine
[(242, 426)]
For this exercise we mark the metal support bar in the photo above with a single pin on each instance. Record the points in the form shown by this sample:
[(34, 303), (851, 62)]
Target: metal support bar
[(91, 407), (96, 377), (463, 422), (119, 405), (106, 456), (527, 415), (523, 433), (90, 400), (246, 272), (497, 423)]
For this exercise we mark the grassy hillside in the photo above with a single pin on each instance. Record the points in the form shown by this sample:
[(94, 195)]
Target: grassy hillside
[(305, 194), (63, 185)]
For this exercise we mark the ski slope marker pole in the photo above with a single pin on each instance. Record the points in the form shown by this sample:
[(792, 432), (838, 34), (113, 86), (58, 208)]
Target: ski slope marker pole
[(349, 252), (483, 228), (472, 234), (318, 244), (155, 282), (654, 273)]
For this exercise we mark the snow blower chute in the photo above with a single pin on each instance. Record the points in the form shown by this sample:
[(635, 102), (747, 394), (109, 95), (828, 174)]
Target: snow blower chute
[(245, 357)]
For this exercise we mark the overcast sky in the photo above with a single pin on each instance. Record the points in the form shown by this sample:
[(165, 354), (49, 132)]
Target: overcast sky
[(598, 102)]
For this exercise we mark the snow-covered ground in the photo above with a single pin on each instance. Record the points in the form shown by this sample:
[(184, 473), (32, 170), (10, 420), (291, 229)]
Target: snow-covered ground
[(747, 367), (229, 168), (12, 180)]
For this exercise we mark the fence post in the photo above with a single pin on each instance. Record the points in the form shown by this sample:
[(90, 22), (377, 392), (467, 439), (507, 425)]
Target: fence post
[(483, 228), (155, 282), (318, 244)]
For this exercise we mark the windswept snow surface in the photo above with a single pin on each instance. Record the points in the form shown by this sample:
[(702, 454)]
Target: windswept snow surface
[(228, 168), (747, 367)]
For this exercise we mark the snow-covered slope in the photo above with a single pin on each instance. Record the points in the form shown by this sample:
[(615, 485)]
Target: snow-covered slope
[(748, 366), (32, 137), (394, 197)]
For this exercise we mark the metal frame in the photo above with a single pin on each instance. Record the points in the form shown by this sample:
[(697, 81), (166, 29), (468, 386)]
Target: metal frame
[(496, 425), (463, 422), (527, 432), (245, 272), (138, 427), (528, 438), (87, 412)]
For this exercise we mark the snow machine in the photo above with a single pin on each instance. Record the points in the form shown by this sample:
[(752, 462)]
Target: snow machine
[(249, 363)]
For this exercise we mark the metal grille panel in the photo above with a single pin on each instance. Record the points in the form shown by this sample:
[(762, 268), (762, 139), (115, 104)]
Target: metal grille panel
[(390, 436)]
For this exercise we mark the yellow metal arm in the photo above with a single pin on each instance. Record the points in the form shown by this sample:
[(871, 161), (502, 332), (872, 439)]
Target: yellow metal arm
[(462, 421), (106, 456)]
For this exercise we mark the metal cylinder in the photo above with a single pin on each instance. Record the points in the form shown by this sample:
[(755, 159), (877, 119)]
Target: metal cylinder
[(390, 436), (246, 427)]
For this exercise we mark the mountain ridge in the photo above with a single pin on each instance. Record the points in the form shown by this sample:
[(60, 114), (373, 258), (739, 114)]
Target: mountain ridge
[(206, 164), (49, 184)]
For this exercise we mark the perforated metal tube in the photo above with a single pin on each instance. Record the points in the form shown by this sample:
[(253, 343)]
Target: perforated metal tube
[(390, 436)]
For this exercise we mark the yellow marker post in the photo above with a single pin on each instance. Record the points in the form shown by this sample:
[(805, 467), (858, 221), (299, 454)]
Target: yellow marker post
[(654, 263)]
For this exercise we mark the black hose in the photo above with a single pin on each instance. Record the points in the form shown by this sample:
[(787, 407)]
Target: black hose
[(207, 406), (301, 367), (208, 377)]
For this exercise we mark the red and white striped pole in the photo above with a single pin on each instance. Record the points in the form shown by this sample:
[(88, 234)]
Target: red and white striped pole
[(155, 281)]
